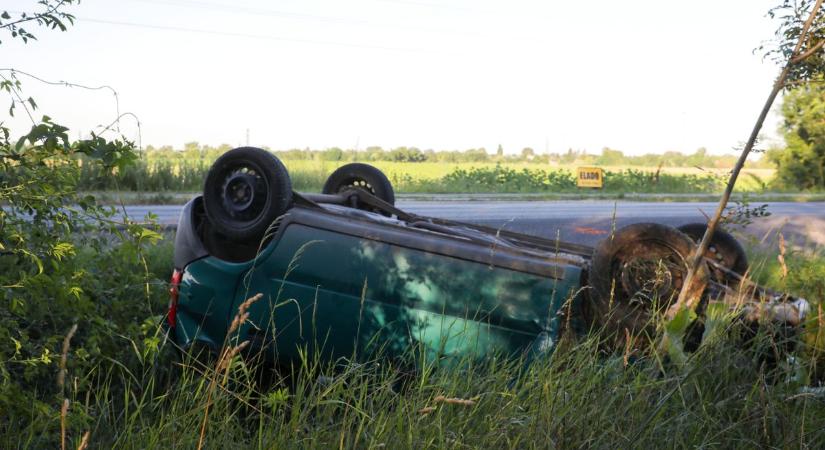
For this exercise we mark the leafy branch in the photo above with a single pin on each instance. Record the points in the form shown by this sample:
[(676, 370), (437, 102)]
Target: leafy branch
[(797, 40), (52, 18)]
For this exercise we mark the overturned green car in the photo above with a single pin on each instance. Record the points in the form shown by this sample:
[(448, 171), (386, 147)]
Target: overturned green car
[(345, 274)]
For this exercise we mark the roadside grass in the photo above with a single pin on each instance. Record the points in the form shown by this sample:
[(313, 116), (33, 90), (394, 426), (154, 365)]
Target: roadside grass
[(578, 397), (801, 268), (724, 395), (797, 268)]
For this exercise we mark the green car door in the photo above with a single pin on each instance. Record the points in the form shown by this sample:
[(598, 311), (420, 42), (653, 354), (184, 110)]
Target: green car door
[(344, 296)]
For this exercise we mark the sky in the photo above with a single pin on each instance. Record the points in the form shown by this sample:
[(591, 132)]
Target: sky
[(638, 76)]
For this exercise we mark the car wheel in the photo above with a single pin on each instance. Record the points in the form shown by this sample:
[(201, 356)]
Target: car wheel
[(246, 189), (360, 176), (723, 248), (637, 275)]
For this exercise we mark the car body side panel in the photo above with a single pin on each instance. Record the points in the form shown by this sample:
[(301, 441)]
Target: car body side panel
[(205, 296), (335, 294), (550, 264), (188, 246)]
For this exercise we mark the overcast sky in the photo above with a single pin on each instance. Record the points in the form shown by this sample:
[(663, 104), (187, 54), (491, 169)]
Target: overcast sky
[(638, 76)]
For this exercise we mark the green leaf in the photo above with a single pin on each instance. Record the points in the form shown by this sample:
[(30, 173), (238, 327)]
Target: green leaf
[(20, 143), (35, 259), (17, 346), (149, 235), (62, 249), (17, 305), (680, 321), (75, 291)]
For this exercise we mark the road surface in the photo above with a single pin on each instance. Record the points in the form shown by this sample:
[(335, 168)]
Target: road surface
[(586, 222)]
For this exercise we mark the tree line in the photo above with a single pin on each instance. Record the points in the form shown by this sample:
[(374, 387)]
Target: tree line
[(607, 157)]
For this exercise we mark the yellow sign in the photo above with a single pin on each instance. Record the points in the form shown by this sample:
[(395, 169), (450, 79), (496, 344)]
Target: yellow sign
[(592, 177)]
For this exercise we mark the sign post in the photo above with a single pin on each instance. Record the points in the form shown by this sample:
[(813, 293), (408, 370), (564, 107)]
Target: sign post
[(590, 177)]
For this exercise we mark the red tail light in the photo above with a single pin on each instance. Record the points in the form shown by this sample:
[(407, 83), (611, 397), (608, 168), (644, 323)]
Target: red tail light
[(174, 284)]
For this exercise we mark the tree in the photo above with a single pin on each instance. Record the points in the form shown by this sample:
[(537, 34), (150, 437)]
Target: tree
[(698, 158), (192, 150), (474, 155), (373, 153), (500, 151), (332, 154), (527, 153), (802, 163), (610, 157), (569, 157), (407, 154)]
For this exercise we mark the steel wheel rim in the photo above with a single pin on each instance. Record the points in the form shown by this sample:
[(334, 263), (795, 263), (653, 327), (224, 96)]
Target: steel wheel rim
[(243, 191)]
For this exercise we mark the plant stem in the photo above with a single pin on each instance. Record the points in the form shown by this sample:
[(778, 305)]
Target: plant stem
[(779, 84)]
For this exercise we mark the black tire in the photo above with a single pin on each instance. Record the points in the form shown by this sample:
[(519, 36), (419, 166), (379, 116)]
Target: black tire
[(360, 176), (723, 248), (246, 189), (636, 276)]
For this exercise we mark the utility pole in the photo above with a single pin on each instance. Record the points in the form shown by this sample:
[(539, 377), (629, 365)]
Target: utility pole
[(247, 137)]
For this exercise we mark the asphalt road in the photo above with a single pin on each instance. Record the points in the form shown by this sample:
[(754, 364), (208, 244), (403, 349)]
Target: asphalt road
[(586, 222)]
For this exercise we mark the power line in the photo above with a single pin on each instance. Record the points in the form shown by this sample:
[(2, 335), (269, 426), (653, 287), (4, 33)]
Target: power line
[(254, 11), (290, 15), (428, 4), (244, 35), (312, 17), (251, 10)]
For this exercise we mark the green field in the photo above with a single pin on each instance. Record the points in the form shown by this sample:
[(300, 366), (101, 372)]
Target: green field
[(414, 177), (186, 175)]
